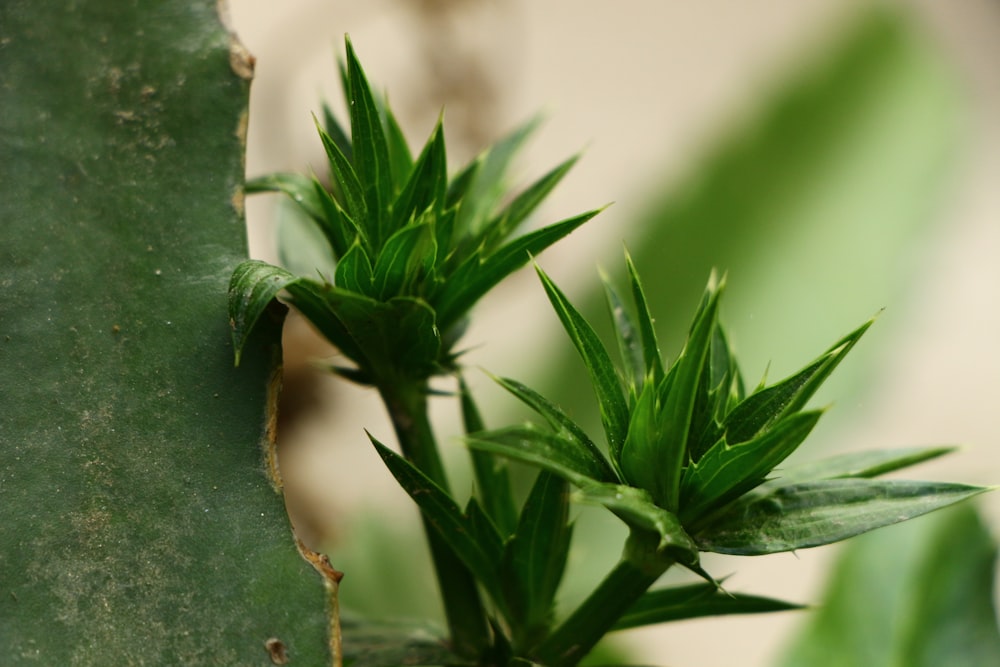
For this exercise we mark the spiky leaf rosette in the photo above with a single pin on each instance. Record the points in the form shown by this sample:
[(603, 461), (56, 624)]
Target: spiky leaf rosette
[(413, 249), (693, 458)]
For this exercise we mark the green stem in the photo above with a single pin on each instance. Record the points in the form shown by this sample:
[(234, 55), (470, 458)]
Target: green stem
[(594, 618), (466, 616)]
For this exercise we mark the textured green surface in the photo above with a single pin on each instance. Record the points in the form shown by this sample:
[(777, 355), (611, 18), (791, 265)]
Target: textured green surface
[(139, 523)]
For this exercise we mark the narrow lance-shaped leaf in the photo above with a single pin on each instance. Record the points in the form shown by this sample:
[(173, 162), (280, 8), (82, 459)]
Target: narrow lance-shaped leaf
[(611, 401), (555, 452), (446, 517), (335, 129), (491, 472), (512, 215), (696, 601), (426, 183), (371, 152), (811, 514), (535, 559), (650, 347), (406, 260), (400, 158), (670, 453), (766, 406), (348, 182), (477, 274), (871, 463), (354, 271), (629, 340), (559, 421)]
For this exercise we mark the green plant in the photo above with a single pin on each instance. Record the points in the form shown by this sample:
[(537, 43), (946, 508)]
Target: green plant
[(690, 457)]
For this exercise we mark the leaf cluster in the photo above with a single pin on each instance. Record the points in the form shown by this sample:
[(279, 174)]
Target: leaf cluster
[(693, 458), (414, 250)]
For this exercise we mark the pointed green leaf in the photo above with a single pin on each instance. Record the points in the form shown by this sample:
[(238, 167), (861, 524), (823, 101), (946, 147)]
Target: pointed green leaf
[(670, 453), (607, 386), (371, 151), (728, 471), (491, 471), (870, 463), (650, 347), (640, 458), (555, 452), (349, 185), (629, 340), (336, 130), (298, 187), (695, 601), (446, 517), (535, 559), (811, 514), (405, 262), (426, 184), (512, 215), (340, 228), (764, 407), (477, 275), (559, 421), (487, 182), (354, 271), (400, 158)]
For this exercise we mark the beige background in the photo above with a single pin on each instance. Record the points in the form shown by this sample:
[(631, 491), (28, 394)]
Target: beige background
[(709, 60)]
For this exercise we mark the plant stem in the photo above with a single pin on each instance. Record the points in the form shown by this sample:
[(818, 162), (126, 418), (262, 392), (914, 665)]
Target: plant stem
[(620, 589), (466, 616)]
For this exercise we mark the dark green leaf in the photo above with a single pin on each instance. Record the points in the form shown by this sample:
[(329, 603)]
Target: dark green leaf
[(555, 452), (354, 271), (491, 473), (695, 601), (535, 559), (446, 517), (400, 158), (371, 151), (650, 347), (559, 421), (477, 275), (727, 471), (406, 261), (340, 229), (349, 185), (487, 180), (871, 463), (335, 129), (607, 386), (629, 340), (426, 184), (669, 452), (523, 205), (799, 516), (298, 187)]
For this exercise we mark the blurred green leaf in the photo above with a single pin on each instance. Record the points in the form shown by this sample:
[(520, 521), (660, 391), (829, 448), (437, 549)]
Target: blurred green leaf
[(370, 643), (142, 521), (915, 595), (810, 514)]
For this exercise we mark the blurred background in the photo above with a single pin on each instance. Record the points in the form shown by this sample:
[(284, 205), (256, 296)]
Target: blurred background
[(836, 157)]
